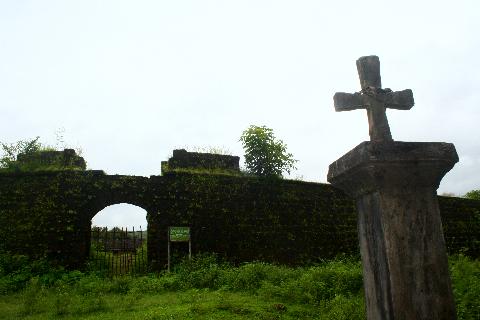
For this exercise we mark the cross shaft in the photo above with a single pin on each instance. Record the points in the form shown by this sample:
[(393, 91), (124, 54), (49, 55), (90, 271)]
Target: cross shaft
[(373, 98)]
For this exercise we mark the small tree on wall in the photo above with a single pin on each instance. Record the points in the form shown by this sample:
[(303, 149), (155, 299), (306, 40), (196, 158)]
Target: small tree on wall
[(32, 155), (474, 194), (264, 154), (10, 151)]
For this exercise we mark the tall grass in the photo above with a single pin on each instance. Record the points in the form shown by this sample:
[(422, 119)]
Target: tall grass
[(206, 288)]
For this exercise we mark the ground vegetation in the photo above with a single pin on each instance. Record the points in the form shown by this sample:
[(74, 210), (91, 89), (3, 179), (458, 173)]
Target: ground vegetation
[(205, 288)]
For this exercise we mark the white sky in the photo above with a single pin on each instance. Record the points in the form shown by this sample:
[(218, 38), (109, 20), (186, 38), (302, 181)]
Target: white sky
[(132, 80)]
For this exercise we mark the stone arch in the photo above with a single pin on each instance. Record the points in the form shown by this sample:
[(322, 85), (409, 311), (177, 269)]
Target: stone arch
[(111, 190), (100, 191)]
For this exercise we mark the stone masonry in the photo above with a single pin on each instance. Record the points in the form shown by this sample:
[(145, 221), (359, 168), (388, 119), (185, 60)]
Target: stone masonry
[(400, 232)]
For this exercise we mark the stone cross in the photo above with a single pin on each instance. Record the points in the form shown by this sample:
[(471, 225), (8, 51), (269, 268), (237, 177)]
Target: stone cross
[(394, 183), (373, 98)]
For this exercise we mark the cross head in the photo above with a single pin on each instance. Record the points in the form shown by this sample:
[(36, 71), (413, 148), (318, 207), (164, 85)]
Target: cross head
[(373, 98)]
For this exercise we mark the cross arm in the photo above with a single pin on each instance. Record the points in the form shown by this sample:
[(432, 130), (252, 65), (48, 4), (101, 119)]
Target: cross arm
[(401, 100), (347, 101)]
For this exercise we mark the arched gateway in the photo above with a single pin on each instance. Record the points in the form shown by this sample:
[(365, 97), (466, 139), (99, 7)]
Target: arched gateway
[(241, 218)]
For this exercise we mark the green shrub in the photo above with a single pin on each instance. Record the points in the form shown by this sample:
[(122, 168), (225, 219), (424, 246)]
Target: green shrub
[(62, 300), (11, 263), (202, 271), (249, 276), (344, 308), (17, 270), (92, 283), (153, 284), (121, 284), (32, 298), (318, 283), (465, 274)]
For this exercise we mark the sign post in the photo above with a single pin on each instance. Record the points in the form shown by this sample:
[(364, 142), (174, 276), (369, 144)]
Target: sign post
[(179, 234)]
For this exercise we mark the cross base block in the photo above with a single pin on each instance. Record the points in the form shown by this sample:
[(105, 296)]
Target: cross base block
[(400, 231)]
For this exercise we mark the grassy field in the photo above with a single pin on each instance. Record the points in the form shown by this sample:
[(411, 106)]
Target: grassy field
[(207, 289)]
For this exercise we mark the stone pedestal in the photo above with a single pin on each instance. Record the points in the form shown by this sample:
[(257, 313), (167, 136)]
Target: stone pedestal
[(401, 239)]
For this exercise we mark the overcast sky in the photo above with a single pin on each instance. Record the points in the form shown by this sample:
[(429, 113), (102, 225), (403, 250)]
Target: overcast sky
[(129, 81)]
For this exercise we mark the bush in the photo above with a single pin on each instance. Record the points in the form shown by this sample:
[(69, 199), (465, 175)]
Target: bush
[(465, 274), (250, 276), (154, 284), (319, 283), (202, 271), (17, 270)]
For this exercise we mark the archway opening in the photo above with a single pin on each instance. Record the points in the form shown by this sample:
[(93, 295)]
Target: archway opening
[(121, 215), (119, 240)]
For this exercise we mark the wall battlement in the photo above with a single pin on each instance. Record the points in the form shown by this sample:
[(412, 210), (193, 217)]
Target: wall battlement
[(66, 158), (182, 159)]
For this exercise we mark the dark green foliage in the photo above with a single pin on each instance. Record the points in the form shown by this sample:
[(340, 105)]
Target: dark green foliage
[(318, 283), (250, 276), (474, 194), (203, 271), (342, 276), (17, 270), (466, 286), (264, 154), (331, 289)]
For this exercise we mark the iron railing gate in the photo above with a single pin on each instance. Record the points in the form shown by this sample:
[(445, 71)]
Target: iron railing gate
[(118, 251)]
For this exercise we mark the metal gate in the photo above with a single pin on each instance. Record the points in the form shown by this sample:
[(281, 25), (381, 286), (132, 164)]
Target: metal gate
[(118, 251)]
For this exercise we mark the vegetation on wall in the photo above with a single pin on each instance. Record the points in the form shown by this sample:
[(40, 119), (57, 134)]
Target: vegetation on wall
[(202, 171), (10, 151), (222, 150), (266, 155), (31, 155), (241, 218)]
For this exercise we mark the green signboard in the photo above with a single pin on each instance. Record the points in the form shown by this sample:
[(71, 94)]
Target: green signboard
[(179, 234)]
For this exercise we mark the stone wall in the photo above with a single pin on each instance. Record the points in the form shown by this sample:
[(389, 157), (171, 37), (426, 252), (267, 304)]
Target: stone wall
[(461, 225), (244, 219), (66, 159), (182, 159), (241, 218)]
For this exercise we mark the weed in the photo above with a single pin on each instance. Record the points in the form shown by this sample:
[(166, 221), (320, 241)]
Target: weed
[(121, 285), (92, 303), (62, 302), (32, 296)]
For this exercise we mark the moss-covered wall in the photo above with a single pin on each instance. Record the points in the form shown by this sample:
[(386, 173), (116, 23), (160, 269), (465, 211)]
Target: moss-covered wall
[(461, 224), (241, 218), (49, 213), (182, 159), (250, 218)]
